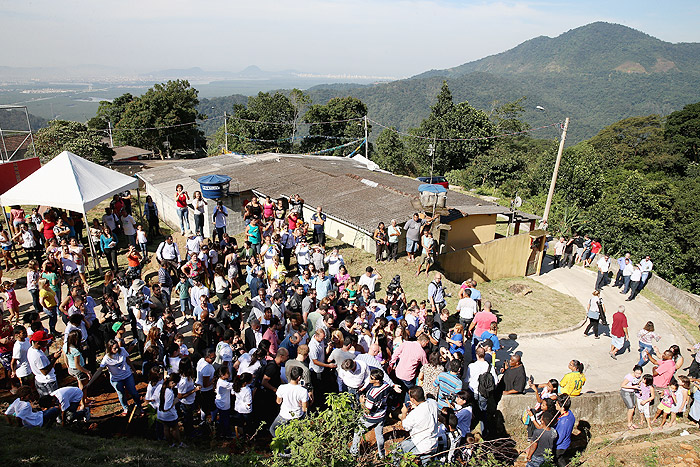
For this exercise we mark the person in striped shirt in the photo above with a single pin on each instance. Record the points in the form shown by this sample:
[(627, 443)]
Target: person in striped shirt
[(448, 383), (373, 403)]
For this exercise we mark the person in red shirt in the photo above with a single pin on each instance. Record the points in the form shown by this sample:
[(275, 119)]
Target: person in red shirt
[(47, 227), (482, 321), (618, 332)]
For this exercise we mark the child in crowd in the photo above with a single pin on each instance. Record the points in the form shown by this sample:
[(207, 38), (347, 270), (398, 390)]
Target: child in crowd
[(19, 363), (224, 389), (76, 361), (456, 339), (167, 411), (548, 389), (180, 341), (11, 302), (133, 259), (243, 407), (142, 241), (183, 291), (152, 398), (682, 397), (172, 360), (668, 400), (645, 399)]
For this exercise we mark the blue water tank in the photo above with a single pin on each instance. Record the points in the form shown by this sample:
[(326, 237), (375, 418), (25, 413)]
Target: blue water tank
[(214, 186)]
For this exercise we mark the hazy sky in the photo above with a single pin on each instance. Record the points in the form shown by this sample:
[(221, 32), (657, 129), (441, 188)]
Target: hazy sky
[(365, 37)]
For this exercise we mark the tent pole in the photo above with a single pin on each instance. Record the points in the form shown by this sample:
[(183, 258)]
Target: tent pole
[(138, 202), (95, 260)]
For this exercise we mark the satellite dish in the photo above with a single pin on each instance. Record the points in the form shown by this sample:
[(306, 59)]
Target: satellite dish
[(517, 202)]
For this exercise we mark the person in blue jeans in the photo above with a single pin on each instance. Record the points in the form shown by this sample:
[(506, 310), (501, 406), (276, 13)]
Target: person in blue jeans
[(544, 443), (121, 371)]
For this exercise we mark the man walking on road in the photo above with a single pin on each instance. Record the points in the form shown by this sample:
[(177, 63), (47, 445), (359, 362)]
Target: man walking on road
[(603, 268), (618, 332)]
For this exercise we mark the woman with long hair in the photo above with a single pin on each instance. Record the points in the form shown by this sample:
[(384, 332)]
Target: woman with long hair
[(75, 360), (121, 370), (181, 198), (108, 243), (381, 241), (167, 411), (198, 212), (646, 337), (150, 211), (186, 393)]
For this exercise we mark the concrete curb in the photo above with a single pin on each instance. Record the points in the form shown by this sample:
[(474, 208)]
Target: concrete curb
[(550, 333)]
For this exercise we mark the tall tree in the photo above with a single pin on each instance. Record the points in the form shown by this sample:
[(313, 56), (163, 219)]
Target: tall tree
[(339, 120), (165, 113), (390, 153), (683, 131), (62, 135), (461, 123), (247, 135)]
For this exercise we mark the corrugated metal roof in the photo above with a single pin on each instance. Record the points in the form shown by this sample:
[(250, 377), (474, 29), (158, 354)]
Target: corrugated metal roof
[(344, 187)]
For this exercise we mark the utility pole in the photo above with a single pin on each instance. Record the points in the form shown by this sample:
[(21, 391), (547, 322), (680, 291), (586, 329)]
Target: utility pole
[(431, 153), (366, 141), (111, 142), (545, 216), (225, 133)]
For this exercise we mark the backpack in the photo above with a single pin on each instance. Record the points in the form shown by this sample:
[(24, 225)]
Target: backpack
[(486, 383)]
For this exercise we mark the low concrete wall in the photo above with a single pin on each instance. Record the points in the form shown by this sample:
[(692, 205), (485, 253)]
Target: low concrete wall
[(503, 257), (595, 408), (686, 302)]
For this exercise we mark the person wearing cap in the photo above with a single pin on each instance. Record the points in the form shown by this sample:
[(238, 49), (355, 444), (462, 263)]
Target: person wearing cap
[(193, 243), (42, 366)]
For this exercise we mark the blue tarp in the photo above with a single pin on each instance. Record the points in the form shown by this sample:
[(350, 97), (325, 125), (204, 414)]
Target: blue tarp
[(431, 188)]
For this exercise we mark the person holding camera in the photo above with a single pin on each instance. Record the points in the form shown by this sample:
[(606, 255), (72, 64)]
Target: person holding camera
[(419, 416)]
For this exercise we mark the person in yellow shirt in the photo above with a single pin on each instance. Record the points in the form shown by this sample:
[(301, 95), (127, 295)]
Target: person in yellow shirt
[(573, 382), (276, 270), (47, 300)]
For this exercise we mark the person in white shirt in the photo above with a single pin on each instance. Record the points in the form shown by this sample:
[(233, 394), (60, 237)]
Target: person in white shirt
[(220, 215), (626, 274), (193, 243), (19, 363), (354, 374), (474, 370), (369, 278), (646, 266), (206, 381), (41, 365), (334, 261), (558, 251), (467, 309), (635, 282), (603, 268), (303, 254), (21, 409), (293, 399), (167, 411), (70, 401), (421, 421), (129, 227)]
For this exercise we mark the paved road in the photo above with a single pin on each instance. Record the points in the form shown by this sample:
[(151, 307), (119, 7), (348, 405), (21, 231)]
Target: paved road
[(548, 357)]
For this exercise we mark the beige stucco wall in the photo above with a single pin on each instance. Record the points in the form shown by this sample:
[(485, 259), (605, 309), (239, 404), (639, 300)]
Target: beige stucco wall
[(504, 257), (343, 232), (471, 230)]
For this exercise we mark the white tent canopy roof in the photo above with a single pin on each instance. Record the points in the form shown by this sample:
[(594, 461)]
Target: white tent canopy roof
[(70, 182)]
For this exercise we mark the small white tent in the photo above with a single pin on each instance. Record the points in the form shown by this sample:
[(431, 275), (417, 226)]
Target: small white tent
[(70, 182)]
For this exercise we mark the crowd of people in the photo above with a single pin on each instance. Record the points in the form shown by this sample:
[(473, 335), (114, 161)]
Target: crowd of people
[(631, 277), (307, 329)]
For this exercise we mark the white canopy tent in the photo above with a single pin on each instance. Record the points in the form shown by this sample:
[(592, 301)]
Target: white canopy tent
[(69, 182)]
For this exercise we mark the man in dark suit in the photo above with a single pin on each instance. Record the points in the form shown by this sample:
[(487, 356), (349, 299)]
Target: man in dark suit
[(253, 335)]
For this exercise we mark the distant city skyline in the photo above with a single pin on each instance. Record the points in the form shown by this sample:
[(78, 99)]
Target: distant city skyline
[(378, 38)]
